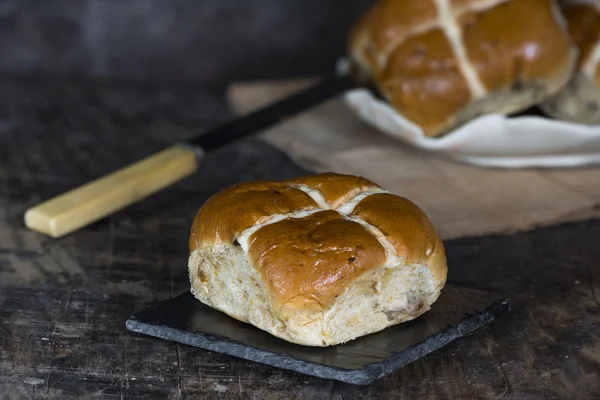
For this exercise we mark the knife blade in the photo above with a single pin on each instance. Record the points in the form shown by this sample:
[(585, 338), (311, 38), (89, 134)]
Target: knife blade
[(102, 197)]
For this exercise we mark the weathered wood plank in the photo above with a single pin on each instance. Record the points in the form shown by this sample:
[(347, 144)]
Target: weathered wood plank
[(63, 303)]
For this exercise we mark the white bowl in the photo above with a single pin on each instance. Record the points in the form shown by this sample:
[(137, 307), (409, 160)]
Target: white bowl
[(492, 140)]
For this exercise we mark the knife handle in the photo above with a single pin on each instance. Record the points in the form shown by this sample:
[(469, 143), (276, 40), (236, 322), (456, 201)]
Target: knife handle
[(99, 198)]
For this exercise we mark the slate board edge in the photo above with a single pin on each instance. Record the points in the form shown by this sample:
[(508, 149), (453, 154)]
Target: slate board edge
[(435, 342), (365, 376)]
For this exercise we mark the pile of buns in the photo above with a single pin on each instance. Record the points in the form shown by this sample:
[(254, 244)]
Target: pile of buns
[(442, 63), (318, 260)]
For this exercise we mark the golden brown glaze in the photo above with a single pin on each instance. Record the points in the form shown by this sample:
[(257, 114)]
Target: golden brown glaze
[(584, 26), (507, 54), (402, 223), (307, 262), (422, 74), (394, 20), (335, 188), (226, 214), (406, 48)]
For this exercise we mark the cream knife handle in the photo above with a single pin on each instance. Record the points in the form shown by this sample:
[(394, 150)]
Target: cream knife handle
[(97, 199)]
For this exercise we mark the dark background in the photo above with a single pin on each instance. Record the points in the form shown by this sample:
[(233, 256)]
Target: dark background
[(189, 40)]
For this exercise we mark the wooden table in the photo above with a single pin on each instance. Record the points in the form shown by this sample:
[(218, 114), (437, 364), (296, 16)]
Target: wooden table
[(63, 303)]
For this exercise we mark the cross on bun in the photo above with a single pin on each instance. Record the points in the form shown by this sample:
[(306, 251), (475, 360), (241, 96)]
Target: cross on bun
[(318, 260), (579, 101), (441, 63)]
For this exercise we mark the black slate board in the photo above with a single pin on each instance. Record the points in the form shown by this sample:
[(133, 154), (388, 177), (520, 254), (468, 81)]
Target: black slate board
[(459, 311)]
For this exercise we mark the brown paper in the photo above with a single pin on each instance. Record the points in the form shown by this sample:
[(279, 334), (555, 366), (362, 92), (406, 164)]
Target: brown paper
[(461, 200)]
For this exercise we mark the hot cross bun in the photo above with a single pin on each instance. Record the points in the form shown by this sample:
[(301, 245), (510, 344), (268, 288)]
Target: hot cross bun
[(318, 260), (441, 63), (579, 101)]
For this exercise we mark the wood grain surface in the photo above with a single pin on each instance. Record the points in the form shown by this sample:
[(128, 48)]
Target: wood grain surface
[(64, 302)]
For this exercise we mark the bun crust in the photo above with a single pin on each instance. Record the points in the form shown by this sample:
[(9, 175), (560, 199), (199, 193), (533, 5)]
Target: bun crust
[(317, 260), (579, 101), (441, 63)]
